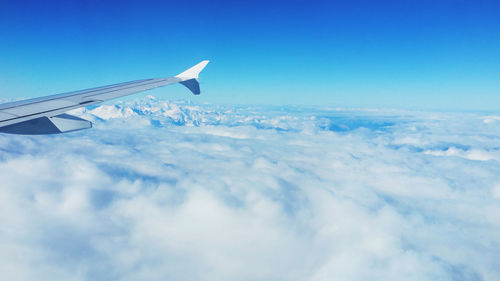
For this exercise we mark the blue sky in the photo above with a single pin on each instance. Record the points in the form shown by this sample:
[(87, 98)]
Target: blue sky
[(403, 54)]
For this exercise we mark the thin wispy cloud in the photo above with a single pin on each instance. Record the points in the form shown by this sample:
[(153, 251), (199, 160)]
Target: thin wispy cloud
[(170, 190)]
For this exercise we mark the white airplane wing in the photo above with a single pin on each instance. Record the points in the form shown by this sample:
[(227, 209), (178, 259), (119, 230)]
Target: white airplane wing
[(45, 115)]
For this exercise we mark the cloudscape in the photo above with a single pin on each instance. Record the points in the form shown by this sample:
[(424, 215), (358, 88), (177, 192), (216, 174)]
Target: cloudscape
[(319, 140), (173, 190)]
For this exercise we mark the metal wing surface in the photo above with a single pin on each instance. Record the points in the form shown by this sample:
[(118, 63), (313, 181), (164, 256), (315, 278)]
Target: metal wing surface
[(45, 115)]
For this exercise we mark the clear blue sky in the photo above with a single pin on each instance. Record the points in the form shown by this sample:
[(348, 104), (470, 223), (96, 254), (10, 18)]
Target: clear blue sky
[(403, 54)]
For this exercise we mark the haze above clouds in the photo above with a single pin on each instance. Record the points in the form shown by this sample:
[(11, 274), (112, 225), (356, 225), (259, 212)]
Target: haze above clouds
[(162, 190)]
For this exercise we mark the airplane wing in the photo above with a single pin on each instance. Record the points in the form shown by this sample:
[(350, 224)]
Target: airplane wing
[(45, 115)]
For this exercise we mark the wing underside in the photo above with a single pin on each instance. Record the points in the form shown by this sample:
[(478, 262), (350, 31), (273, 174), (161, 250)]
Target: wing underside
[(45, 115)]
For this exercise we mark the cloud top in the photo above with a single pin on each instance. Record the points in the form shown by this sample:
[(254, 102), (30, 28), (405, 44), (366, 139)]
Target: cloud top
[(170, 190)]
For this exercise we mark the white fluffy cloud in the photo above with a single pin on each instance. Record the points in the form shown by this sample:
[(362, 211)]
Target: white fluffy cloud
[(162, 190)]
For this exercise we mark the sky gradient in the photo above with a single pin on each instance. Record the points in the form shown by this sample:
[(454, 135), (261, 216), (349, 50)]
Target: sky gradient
[(441, 55)]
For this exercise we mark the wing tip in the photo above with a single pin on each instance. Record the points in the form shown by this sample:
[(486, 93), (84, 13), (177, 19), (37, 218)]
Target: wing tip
[(192, 85), (193, 72)]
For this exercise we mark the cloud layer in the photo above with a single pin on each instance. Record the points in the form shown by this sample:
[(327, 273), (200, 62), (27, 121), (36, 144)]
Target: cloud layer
[(161, 190)]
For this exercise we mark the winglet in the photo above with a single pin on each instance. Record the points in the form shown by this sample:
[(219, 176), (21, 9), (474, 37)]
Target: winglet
[(189, 78), (193, 72)]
